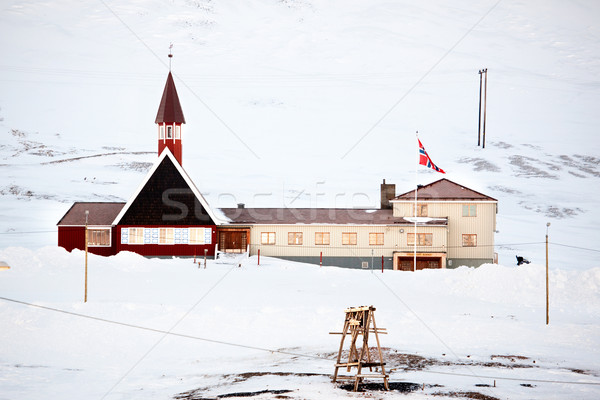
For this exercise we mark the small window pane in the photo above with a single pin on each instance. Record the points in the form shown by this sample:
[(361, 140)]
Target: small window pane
[(349, 238), (98, 237), (469, 240), (267, 238), (295, 238), (469, 210), (375, 239), (423, 239), (421, 210)]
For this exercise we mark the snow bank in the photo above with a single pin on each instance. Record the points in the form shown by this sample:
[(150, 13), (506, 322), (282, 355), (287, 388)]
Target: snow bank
[(457, 315)]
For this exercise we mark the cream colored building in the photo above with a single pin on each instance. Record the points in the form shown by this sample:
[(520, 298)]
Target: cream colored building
[(455, 226), (471, 219)]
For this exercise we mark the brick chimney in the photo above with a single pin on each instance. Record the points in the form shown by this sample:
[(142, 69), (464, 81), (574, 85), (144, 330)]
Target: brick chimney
[(388, 192)]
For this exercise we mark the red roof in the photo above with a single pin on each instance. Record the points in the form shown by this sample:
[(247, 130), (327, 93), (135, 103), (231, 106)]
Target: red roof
[(170, 110), (100, 214), (321, 216), (444, 189)]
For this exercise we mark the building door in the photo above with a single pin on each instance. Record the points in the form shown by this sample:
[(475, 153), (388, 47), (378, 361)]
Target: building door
[(406, 263), (233, 241)]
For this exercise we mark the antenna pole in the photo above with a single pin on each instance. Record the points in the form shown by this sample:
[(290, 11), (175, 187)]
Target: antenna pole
[(484, 106), (170, 55), (415, 206), (479, 124)]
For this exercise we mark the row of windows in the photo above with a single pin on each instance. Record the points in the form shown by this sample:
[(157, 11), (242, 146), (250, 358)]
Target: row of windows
[(166, 236), (322, 238), (169, 128), (468, 210), (101, 237), (350, 239)]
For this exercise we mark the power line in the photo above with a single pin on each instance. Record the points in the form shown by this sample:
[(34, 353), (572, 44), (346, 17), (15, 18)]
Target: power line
[(22, 233), (512, 379), (438, 337), (166, 333), (250, 347), (126, 324), (574, 247)]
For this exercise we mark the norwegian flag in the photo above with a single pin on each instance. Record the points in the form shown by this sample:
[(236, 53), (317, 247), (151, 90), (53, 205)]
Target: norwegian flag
[(425, 160)]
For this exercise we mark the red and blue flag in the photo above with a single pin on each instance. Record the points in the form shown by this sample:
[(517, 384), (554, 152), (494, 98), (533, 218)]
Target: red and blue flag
[(425, 160)]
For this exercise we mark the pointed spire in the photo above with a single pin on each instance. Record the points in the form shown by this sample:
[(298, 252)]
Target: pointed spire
[(170, 110)]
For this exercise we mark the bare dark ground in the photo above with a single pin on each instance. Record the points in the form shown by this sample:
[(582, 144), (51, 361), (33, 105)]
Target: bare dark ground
[(466, 395), (395, 361), (278, 393), (402, 387)]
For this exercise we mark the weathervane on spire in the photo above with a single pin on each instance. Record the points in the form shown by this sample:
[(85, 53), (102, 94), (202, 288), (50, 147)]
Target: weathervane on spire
[(170, 55)]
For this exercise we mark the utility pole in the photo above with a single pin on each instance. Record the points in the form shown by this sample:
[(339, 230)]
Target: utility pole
[(479, 122), (86, 253), (484, 105), (547, 286), (482, 83)]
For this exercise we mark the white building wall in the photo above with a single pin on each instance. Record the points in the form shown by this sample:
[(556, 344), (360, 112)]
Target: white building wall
[(483, 225), (395, 240)]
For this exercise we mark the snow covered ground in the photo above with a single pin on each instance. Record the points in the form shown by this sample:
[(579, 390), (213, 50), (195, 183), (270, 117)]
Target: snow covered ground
[(299, 103), (256, 328)]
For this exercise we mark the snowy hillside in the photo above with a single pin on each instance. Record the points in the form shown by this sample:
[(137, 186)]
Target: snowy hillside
[(301, 104)]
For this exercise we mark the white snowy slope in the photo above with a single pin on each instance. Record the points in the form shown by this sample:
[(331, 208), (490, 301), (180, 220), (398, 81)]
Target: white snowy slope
[(300, 104), (253, 328)]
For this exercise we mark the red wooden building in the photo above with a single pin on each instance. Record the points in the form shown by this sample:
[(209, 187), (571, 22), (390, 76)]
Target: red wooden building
[(166, 216)]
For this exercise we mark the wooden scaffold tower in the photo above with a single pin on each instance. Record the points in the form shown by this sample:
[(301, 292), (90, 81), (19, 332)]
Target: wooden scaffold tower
[(360, 321)]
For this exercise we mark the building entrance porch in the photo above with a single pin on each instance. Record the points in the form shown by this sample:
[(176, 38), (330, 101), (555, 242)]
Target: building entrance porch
[(405, 261)]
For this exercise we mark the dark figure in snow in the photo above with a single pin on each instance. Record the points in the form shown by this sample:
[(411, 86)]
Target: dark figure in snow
[(521, 260)]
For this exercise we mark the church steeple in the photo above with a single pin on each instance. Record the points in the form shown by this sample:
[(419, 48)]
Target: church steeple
[(169, 119)]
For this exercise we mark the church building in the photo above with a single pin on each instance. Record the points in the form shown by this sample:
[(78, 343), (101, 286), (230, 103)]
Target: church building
[(168, 216)]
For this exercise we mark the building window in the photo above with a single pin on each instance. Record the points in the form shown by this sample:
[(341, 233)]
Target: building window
[(136, 235), (322, 238), (267, 238), (169, 132), (349, 238), (177, 132), (98, 237), (469, 210), (469, 240), (166, 236), (295, 238), (423, 239), (421, 210), (161, 132), (375, 239), (199, 236)]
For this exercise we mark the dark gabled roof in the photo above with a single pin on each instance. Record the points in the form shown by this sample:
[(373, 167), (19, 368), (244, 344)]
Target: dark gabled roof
[(321, 216), (445, 190), (170, 110), (167, 196), (100, 214)]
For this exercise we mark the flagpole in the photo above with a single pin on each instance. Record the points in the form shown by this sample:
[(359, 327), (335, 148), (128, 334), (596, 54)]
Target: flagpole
[(421, 156), (415, 208)]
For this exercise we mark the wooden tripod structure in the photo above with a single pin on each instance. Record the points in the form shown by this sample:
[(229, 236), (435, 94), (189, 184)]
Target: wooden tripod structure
[(360, 321)]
